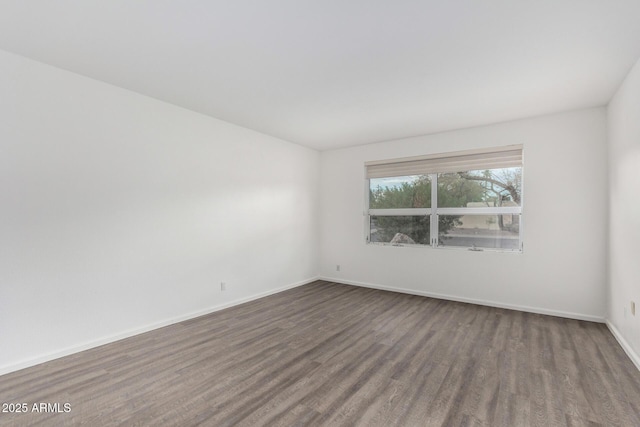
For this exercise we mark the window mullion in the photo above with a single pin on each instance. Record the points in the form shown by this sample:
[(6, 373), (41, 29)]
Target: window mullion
[(400, 212), (509, 210), (434, 209)]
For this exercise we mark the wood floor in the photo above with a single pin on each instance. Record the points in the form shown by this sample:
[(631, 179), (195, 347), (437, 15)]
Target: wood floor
[(330, 354)]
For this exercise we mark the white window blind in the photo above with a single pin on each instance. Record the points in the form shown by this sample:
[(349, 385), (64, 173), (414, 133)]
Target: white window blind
[(488, 158)]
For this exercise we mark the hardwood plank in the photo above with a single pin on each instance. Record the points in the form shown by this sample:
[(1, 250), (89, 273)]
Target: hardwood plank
[(332, 354)]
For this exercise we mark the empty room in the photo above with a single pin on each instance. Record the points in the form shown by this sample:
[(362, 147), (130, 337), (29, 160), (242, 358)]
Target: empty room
[(288, 213)]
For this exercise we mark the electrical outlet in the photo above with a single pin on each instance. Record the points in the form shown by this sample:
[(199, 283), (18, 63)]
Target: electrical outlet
[(633, 308), (223, 286), (337, 267)]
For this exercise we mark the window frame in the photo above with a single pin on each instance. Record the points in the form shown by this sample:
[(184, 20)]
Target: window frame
[(434, 211)]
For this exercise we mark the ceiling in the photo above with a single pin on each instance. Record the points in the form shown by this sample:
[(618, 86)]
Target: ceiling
[(336, 73)]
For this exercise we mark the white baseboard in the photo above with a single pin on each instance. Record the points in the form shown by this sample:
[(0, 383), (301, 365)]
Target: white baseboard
[(557, 313), (136, 331), (635, 358)]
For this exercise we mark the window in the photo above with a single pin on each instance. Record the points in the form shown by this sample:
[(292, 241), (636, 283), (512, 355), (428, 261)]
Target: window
[(470, 199)]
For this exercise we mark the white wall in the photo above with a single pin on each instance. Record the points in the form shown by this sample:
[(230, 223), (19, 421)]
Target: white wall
[(624, 212), (119, 212), (562, 270)]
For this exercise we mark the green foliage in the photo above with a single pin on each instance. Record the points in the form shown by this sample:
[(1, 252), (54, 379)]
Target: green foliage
[(454, 191), (415, 194), (416, 227)]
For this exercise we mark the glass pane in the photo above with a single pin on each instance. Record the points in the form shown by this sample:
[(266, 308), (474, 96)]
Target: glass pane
[(400, 192), (481, 188), (481, 231), (407, 230)]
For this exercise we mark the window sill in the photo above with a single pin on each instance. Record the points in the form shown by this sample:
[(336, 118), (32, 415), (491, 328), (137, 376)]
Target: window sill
[(446, 248)]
